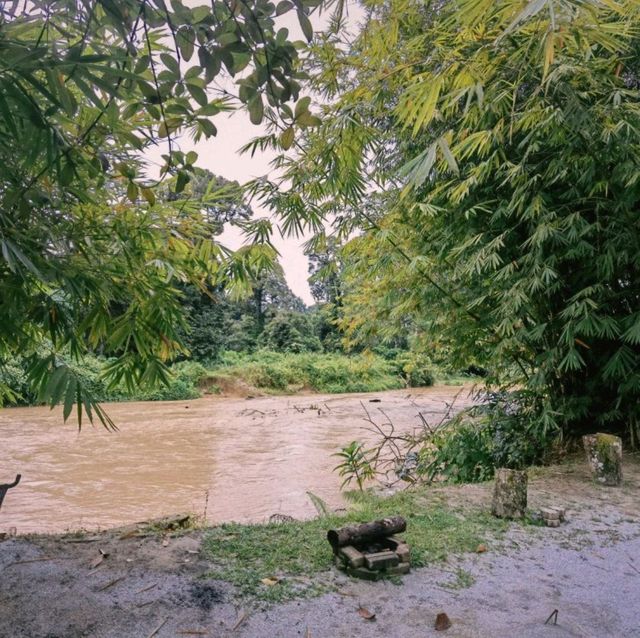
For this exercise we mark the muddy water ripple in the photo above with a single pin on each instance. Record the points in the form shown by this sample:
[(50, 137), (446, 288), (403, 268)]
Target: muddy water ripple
[(253, 457)]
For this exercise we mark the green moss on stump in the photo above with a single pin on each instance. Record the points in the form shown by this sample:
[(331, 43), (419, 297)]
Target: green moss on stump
[(604, 455), (510, 493)]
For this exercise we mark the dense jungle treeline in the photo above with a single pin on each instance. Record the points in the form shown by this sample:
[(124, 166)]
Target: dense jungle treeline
[(267, 341)]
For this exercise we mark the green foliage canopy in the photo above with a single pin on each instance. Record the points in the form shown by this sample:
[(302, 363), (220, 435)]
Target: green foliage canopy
[(507, 136), (90, 256)]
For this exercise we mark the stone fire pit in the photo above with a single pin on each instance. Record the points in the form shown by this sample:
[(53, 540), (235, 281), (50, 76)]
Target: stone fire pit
[(371, 550)]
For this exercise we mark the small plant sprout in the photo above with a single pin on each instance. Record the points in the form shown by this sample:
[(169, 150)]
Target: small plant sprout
[(356, 464)]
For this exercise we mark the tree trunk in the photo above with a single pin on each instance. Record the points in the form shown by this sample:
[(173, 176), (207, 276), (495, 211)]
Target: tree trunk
[(509, 494), (366, 532)]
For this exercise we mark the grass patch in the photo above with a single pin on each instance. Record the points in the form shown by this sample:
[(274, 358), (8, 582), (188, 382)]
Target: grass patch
[(296, 554), (456, 379), (462, 580)]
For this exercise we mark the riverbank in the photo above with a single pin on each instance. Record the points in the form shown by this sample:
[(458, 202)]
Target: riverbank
[(263, 372), (116, 584)]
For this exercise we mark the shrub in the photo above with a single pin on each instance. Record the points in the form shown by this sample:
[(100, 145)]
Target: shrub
[(290, 332), (12, 375), (494, 434), (184, 379), (416, 368), (183, 384), (320, 372)]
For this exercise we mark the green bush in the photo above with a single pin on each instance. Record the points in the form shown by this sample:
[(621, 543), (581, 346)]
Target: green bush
[(13, 376), (473, 444), (264, 369), (183, 384), (177, 390), (416, 368), (320, 372), (89, 374)]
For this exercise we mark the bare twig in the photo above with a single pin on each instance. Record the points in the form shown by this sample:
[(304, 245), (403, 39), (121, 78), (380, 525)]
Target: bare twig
[(158, 628), (141, 591), (394, 457), (206, 505), (243, 616), (37, 560), (111, 584)]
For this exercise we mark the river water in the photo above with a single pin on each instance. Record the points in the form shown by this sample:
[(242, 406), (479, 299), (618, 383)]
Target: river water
[(235, 459)]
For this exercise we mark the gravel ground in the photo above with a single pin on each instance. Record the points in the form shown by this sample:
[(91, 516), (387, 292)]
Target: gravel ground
[(588, 569)]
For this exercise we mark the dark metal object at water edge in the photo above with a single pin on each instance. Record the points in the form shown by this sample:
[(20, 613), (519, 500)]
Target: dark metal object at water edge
[(371, 550), (7, 486)]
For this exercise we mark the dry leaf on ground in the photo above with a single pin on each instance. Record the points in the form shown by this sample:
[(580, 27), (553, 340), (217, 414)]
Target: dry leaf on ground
[(270, 581), (366, 614), (442, 622)]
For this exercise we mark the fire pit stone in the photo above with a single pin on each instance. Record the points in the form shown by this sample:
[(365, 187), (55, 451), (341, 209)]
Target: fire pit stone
[(371, 550)]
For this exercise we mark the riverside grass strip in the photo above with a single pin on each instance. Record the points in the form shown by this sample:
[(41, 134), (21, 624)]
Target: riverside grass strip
[(297, 552)]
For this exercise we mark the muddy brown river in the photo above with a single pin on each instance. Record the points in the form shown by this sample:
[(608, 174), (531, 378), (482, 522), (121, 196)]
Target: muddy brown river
[(231, 459)]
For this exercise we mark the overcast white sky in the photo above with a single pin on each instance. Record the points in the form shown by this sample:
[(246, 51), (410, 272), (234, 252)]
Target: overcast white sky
[(220, 155)]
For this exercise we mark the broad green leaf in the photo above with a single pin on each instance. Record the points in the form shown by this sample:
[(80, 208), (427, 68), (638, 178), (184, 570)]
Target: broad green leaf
[(186, 37), (207, 127), (256, 109), (198, 94), (200, 13), (286, 138), (171, 63), (132, 192), (302, 106), (306, 119), (305, 25), (283, 6), (169, 126), (149, 195)]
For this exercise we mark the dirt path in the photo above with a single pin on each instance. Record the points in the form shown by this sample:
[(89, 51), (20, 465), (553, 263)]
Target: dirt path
[(589, 569)]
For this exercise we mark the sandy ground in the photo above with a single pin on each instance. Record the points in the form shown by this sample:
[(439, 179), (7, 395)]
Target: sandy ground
[(588, 569)]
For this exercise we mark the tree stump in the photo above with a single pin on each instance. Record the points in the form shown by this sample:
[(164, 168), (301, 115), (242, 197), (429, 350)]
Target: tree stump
[(509, 493), (604, 455)]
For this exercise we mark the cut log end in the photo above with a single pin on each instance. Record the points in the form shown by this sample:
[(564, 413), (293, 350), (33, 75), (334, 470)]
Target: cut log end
[(366, 532)]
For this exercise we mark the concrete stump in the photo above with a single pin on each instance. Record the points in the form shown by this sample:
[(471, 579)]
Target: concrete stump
[(604, 455), (509, 493)]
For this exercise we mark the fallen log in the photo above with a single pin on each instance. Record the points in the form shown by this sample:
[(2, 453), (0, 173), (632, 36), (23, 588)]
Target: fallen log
[(366, 532)]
